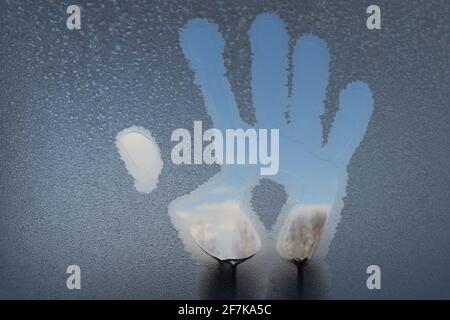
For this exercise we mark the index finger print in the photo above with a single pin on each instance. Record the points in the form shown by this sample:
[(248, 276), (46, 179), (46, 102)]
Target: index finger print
[(203, 46)]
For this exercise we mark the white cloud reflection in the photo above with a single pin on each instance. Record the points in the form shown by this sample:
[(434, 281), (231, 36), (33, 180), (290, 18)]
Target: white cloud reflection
[(222, 229), (301, 231)]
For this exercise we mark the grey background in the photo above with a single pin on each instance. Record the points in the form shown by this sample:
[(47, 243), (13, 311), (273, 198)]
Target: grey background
[(65, 197)]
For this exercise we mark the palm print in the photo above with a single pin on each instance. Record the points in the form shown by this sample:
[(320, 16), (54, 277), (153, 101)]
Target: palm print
[(217, 216)]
